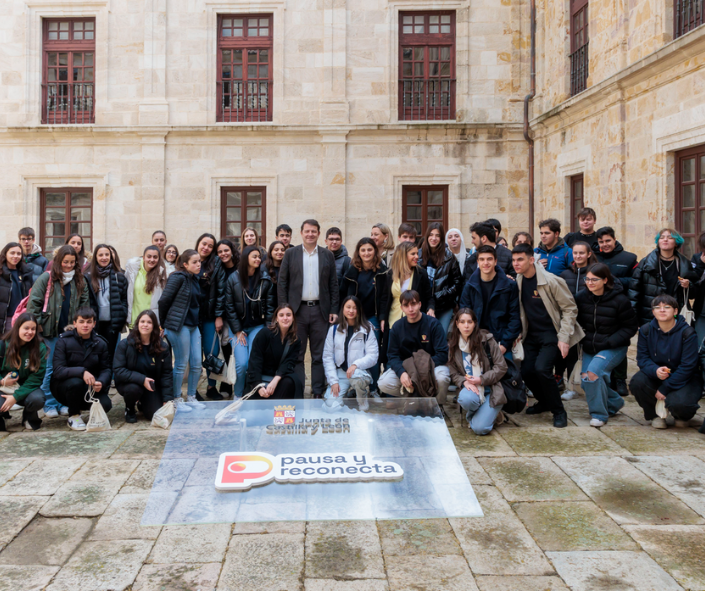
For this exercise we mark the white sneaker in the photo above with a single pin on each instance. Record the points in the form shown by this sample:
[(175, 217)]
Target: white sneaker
[(659, 423), (568, 394), (16, 407), (181, 406), (76, 423), (28, 426), (529, 393), (597, 423), (51, 413), (191, 401), (64, 411)]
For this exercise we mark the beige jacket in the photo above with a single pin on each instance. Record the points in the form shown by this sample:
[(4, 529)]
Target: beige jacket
[(559, 303)]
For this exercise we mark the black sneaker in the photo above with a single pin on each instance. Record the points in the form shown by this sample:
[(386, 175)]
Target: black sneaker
[(226, 390), (199, 397), (130, 416), (536, 409), (213, 393), (2, 424), (620, 386), (560, 420)]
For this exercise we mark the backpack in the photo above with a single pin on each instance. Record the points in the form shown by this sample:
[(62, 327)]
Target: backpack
[(22, 306), (513, 386)]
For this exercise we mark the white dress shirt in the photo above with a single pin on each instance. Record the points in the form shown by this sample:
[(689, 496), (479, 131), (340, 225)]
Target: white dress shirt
[(311, 288)]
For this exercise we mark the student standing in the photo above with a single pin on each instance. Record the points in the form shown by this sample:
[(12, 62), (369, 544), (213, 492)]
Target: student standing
[(144, 376), (275, 256), (80, 363), (146, 278), (483, 234), (229, 257), (334, 243), (32, 253), (574, 275), (406, 233), (586, 220), (476, 374), (64, 291), (522, 238), (308, 281), (250, 237), (549, 329), (382, 235), (159, 240), (283, 234), (406, 275), (76, 242), (23, 357), (15, 282), (610, 252), (443, 273), (456, 244), (275, 354), (107, 291), (171, 253), (553, 253), (179, 309)]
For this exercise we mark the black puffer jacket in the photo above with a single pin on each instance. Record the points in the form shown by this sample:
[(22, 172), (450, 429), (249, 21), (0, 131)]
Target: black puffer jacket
[(609, 321), (447, 283), (130, 368), (261, 308), (574, 278), (342, 263), (646, 283), (212, 292), (26, 281), (37, 262), (699, 287), (118, 299), (175, 300), (71, 359), (620, 262), (349, 287)]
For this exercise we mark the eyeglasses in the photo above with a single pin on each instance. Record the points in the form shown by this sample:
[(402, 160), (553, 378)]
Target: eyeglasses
[(592, 279)]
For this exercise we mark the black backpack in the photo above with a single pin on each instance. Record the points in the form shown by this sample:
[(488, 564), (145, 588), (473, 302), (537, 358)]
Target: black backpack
[(513, 385)]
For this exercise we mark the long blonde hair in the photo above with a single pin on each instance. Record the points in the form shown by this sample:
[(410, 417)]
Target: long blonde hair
[(388, 238), (400, 261)]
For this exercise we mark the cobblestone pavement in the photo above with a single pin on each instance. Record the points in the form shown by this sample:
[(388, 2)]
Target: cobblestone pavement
[(619, 508)]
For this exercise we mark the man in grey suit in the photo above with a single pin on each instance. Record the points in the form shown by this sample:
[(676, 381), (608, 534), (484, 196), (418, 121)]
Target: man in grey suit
[(308, 282)]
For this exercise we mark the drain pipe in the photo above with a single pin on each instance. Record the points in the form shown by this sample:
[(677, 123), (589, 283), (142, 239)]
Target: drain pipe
[(527, 99)]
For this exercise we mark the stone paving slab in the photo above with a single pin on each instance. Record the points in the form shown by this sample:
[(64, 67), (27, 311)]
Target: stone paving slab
[(469, 444), (430, 573), (625, 493), (113, 471), (178, 577), (102, 566), (42, 477), (343, 550), (531, 479), (26, 578), (661, 442), (142, 478), (572, 526), (121, 520), (81, 499), (266, 562), (476, 473), (49, 542), (571, 441), (490, 583), (333, 585), (612, 571), (418, 537), (191, 543), (61, 444), (270, 527), (142, 445), (683, 477), (679, 549), (16, 513), (9, 469), (498, 543)]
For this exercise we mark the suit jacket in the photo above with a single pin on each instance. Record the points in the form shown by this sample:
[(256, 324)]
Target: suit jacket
[(291, 280)]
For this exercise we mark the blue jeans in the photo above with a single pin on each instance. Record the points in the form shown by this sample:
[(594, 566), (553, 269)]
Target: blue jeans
[(242, 357), (602, 400), (480, 417), (50, 401), (361, 375), (207, 334), (444, 318), (374, 371), (186, 344)]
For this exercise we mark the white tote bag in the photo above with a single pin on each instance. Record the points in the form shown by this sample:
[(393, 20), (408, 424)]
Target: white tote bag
[(97, 419)]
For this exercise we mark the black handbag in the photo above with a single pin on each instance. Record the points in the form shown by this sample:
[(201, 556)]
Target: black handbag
[(513, 386), (213, 363)]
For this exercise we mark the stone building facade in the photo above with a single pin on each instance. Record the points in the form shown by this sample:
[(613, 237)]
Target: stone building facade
[(155, 154)]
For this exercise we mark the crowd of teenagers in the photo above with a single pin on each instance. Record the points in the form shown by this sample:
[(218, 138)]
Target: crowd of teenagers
[(405, 316)]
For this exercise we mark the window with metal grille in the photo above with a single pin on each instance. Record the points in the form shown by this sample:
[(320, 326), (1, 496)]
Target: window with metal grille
[(577, 201), (426, 66), (241, 207), (244, 68), (579, 60), (690, 197), (64, 212), (687, 15), (68, 81), (422, 205)]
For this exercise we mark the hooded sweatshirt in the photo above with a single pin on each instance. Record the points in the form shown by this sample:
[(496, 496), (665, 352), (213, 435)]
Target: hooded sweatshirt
[(559, 257)]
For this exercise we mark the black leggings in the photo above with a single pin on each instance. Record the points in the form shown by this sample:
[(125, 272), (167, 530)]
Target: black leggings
[(72, 393), (104, 330), (682, 403), (149, 402), (286, 389)]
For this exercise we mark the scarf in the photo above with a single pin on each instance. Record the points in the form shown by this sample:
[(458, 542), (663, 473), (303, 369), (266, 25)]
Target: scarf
[(462, 255), (471, 365), (67, 277), (104, 272)]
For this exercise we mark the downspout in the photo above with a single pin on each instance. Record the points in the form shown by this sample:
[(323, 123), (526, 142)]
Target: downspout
[(528, 98)]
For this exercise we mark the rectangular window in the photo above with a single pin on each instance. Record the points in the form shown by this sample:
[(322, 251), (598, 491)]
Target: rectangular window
[(577, 201), (687, 15), (242, 207), (690, 197), (422, 205), (244, 68), (426, 66), (64, 212), (578, 46), (68, 78)]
